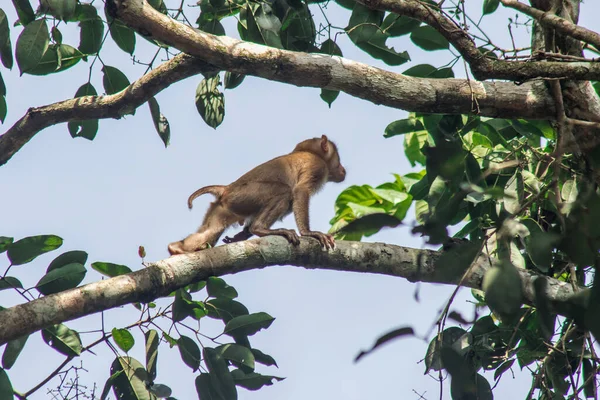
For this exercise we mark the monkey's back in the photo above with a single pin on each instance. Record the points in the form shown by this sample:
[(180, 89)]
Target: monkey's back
[(275, 180)]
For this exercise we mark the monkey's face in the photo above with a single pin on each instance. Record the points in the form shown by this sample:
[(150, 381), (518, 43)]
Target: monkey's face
[(337, 172)]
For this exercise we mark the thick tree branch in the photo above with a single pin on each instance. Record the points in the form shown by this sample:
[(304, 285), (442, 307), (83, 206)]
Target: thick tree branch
[(163, 277), (451, 96), (552, 20), (95, 107)]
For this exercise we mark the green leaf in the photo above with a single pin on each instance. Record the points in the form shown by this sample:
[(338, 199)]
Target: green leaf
[(259, 24), (91, 33), (160, 121), (216, 287), (396, 333), (429, 39), (212, 26), (365, 31), (398, 25), (60, 279), (505, 366), (12, 351), (331, 48), (3, 107), (32, 45), (206, 388), (60, 9), (233, 80), (489, 6), (5, 243), (109, 269), (329, 96), (364, 23), (68, 56), (49, 63), (123, 36), (10, 282), (263, 358), (471, 387), (152, 342), (514, 192), (87, 128), (218, 9), (160, 390), (87, 89), (210, 102), (569, 194), (219, 372), (189, 351), (69, 257), (455, 260), (6, 389), (368, 224), (56, 35), (5, 45), (85, 12), (240, 354), (27, 249), (123, 338), (129, 379), (413, 143), (252, 380), (449, 337), (539, 245), (589, 378), (182, 307), (225, 309), (24, 11), (503, 290), (377, 48), (62, 339), (403, 126), (113, 80), (347, 4), (420, 70), (248, 325), (298, 30)]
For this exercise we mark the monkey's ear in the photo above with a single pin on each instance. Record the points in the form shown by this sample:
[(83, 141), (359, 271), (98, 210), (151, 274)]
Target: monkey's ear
[(325, 144)]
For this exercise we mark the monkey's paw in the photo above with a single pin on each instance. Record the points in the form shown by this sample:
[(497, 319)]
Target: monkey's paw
[(326, 240)]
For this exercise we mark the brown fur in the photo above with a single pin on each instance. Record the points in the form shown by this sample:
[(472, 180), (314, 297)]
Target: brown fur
[(266, 194)]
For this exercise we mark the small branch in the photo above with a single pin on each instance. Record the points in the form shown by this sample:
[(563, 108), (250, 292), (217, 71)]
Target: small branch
[(482, 67), (163, 277), (96, 107), (550, 19)]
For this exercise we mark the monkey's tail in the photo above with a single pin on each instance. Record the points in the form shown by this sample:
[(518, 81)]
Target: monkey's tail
[(215, 190)]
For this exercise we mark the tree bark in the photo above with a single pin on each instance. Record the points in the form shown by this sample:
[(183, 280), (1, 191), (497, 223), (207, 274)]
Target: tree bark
[(163, 277)]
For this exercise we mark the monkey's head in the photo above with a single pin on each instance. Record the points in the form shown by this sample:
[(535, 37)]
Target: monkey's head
[(327, 150)]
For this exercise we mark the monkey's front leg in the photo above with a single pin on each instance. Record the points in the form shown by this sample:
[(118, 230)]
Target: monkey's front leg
[(300, 207), (277, 208)]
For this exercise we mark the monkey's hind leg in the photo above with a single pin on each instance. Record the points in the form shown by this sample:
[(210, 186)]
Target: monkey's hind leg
[(217, 219), (276, 209), (238, 237)]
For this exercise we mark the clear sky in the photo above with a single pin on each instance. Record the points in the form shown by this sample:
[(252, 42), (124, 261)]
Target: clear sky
[(125, 189)]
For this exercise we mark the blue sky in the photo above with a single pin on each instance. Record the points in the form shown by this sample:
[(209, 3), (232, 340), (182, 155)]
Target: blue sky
[(125, 189)]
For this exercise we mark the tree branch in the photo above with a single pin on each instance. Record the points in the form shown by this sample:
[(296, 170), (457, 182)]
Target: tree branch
[(554, 21), (163, 277), (94, 107), (450, 96), (482, 67)]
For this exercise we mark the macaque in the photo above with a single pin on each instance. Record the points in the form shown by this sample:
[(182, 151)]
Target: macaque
[(266, 194)]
